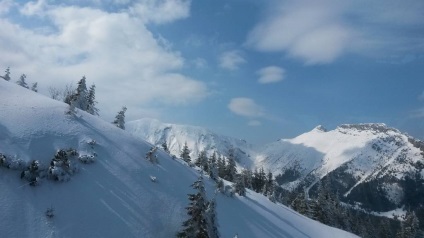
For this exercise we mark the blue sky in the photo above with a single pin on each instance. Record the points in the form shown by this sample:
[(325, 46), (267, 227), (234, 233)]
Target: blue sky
[(257, 70)]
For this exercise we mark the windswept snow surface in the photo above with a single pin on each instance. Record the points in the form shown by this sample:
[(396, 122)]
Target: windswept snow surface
[(114, 196)]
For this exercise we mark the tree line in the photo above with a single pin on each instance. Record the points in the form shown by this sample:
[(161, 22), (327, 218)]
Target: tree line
[(80, 97)]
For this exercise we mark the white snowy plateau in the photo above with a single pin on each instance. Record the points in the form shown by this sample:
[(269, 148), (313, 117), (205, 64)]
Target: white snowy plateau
[(115, 196)]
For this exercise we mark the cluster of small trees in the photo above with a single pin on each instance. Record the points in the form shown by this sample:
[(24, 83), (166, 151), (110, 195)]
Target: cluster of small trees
[(225, 168), (21, 81), (82, 98)]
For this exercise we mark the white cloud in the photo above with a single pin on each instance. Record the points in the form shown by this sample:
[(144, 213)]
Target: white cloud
[(162, 11), (318, 32), (254, 123), (33, 8), (231, 60), (271, 74), (5, 6), (128, 64), (246, 107), (200, 63)]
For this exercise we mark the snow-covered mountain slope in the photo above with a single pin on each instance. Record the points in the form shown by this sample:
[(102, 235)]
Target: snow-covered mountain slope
[(197, 139), (353, 154), (114, 196)]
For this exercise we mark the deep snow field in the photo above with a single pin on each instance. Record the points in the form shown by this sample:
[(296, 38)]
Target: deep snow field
[(114, 196)]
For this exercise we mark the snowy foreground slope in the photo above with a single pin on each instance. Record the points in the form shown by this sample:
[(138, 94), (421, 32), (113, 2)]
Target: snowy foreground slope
[(197, 139), (114, 196)]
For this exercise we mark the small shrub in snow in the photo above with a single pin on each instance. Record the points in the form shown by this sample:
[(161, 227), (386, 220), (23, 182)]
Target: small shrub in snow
[(150, 156), (228, 191), (92, 143), (32, 173), (61, 166), (87, 159), (49, 212), (12, 163), (220, 186), (3, 161)]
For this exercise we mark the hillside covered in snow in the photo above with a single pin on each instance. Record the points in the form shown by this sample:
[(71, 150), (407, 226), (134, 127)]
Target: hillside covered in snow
[(197, 139), (368, 164), (372, 166), (94, 181)]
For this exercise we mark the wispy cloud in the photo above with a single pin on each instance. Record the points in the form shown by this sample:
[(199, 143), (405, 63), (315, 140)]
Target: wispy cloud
[(419, 113), (318, 32), (246, 107), (115, 51), (160, 12), (271, 74), (231, 60), (5, 6)]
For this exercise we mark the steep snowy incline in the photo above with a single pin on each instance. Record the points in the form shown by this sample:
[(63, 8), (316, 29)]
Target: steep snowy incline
[(114, 196), (197, 139)]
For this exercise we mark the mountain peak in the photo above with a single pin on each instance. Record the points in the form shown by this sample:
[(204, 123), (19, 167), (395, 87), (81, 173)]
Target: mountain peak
[(320, 128), (375, 127)]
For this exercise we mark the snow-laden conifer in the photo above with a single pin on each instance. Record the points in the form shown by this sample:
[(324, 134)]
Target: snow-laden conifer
[(21, 82), (34, 87), (196, 225), (80, 95), (185, 153), (91, 101), (120, 119), (7, 74)]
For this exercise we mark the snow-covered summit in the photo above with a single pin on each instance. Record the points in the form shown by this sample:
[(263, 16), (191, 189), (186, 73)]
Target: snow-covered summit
[(354, 154)]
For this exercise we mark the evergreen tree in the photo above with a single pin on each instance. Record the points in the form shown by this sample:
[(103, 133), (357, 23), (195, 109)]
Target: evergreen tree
[(197, 225), (213, 168), (221, 167), (299, 204), (259, 179), (7, 74), (91, 101), (165, 147), (71, 102), (202, 161), (231, 169), (247, 177), (21, 82), (80, 95), (410, 226), (268, 187), (211, 220), (239, 186), (34, 87), (120, 119), (185, 153)]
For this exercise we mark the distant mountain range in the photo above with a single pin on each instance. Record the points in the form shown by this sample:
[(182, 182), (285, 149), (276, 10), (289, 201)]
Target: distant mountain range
[(369, 165)]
